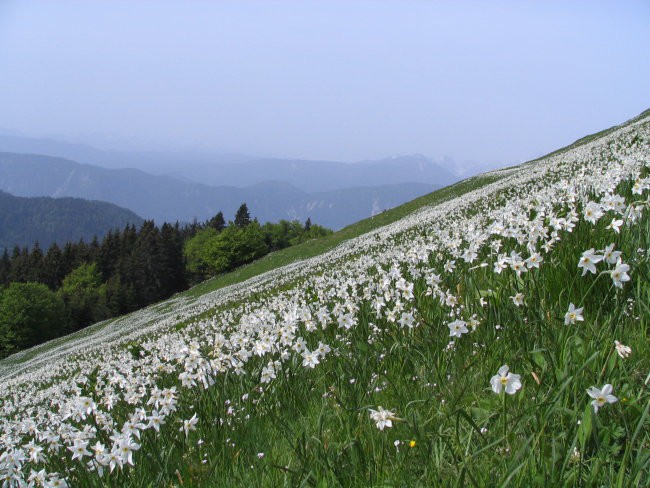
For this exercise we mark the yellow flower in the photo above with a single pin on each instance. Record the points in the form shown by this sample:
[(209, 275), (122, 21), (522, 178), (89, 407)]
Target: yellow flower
[(412, 443)]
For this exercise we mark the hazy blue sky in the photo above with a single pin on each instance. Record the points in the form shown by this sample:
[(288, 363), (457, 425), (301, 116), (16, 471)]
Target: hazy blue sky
[(488, 81)]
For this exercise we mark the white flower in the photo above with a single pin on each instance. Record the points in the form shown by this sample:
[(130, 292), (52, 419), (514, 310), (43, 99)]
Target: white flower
[(383, 418), (55, 482), (588, 261), (125, 448), (268, 373), (600, 397), (346, 321), (310, 359), (518, 299), (574, 314), (534, 260), (619, 273), (610, 255), (622, 350), (450, 266), (457, 328), (406, 320), (155, 420), (114, 459), (86, 405), (79, 449), (323, 349), (592, 212), (189, 425), (615, 225), (504, 379)]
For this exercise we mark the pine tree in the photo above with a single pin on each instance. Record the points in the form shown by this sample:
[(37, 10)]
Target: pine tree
[(5, 268), (172, 265), (35, 264), (19, 265), (53, 267), (71, 257), (109, 254), (217, 222), (242, 217), (145, 263)]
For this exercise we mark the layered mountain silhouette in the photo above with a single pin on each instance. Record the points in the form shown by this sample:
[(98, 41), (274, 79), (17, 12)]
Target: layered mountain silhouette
[(228, 169), (167, 198)]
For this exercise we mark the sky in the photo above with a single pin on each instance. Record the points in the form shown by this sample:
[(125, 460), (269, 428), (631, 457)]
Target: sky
[(491, 82)]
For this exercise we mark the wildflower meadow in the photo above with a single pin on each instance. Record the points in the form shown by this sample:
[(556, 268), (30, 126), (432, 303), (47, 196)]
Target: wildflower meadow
[(497, 338)]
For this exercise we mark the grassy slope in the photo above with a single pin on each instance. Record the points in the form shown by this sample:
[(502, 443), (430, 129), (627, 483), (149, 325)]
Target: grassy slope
[(312, 427)]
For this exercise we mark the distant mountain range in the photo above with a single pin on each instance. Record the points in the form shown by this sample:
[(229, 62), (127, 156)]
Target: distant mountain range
[(319, 176), (165, 198), (25, 221), (241, 170)]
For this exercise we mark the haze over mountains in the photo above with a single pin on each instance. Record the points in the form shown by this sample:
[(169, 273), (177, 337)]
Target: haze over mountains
[(332, 194), (242, 170)]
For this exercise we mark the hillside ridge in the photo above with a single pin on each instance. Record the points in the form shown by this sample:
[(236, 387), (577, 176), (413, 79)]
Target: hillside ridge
[(25, 221)]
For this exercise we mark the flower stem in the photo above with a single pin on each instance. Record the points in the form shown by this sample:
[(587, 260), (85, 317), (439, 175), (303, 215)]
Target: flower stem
[(505, 425)]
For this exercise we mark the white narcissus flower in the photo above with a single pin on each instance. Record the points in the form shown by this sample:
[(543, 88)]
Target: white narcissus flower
[(124, 447), (518, 299), (79, 449), (382, 418), (573, 315), (189, 425), (619, 274), (600, 397), (615, 225), (592, 212), (588, 261), (56, 482), (504, 379), (457, 328), (534, 260), (155, 420), (310, 359), (610, 255), (622, 350), (450, 266)]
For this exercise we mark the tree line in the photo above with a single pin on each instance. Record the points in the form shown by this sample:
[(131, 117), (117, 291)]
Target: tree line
[(44, 295)]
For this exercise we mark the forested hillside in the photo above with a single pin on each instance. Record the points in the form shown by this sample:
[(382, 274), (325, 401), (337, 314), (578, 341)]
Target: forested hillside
[(27, 221)]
